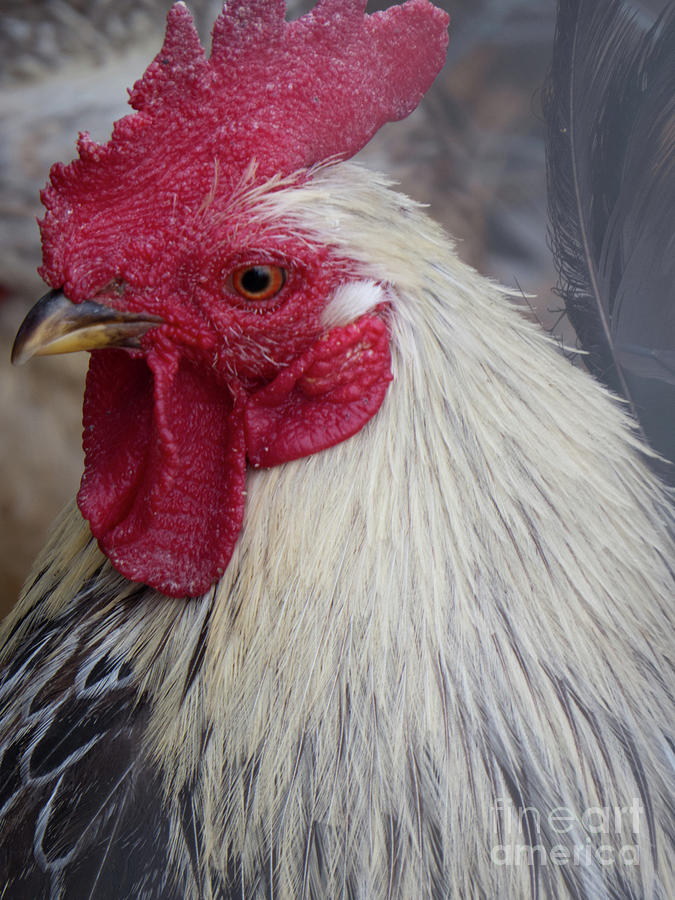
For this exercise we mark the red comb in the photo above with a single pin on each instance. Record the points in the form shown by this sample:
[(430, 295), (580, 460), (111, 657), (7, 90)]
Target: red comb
[(285, 94), (294, 93)]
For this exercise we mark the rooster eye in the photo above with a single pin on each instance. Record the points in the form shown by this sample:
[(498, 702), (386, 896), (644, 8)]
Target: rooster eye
[(258, 282)]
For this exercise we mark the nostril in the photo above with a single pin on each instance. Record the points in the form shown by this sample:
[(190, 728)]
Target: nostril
[(116, 286)]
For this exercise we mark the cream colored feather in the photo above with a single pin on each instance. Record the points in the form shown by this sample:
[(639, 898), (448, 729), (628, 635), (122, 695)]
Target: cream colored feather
[(430, 637)]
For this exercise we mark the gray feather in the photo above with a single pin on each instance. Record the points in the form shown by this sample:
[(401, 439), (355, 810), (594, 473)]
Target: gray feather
[(610, 109)]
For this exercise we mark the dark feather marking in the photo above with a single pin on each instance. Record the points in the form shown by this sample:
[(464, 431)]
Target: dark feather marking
[(344, 708), (236, 607), (10, 769), (249, 779), (626, 741), (508, 531), (587, 252), (80, 725), (564, 693), (73, 811), (126, 670), (110, 842), (191, 830), (135, 866), (462, 731), (20, 877), (595, 729), (100, 670), (54, 691), (443, 692), (512, 776), (392, 853), (44, 630), (490, 771), (464, 737), (309, 840), (413, 770), (561, 691), (93, 582), (522, 803), (27, 651), (40, 575), (78, 831), (575, 889), (76, 725), (513, 644), (319, 852), (534, 534), (435, 842)]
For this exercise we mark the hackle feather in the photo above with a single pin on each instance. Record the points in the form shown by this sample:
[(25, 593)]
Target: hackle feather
[(461, 610)]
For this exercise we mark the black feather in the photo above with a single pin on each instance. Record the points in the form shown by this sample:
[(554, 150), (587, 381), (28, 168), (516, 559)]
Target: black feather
[(610, 110)]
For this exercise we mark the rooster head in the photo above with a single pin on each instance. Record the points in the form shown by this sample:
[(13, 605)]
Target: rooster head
[(205, 321)]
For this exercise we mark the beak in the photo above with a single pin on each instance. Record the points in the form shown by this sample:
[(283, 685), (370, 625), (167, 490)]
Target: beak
[(56, 325)]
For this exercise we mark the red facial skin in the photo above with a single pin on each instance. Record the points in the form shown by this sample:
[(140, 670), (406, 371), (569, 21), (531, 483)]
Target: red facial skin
[(149, 222), (168, 430)]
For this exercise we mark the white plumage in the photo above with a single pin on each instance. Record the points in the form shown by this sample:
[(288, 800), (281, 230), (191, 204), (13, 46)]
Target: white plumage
[(430, 637)]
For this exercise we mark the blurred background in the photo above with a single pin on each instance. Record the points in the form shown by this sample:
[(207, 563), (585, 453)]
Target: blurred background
[(474, 152)]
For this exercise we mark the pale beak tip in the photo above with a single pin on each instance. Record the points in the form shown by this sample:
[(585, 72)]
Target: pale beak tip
[(27, 340), (22, 350)]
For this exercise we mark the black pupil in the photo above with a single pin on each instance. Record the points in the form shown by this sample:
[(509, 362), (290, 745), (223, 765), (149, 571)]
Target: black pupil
[(256, 280)]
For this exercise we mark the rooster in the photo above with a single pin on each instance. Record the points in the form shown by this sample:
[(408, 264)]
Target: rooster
[(367, 591)]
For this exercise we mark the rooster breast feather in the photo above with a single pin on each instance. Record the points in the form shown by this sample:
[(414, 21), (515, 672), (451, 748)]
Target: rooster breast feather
[(470, 611)]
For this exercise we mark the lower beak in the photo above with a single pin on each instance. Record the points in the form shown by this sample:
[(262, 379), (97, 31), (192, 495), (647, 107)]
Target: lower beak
[(56, 325)]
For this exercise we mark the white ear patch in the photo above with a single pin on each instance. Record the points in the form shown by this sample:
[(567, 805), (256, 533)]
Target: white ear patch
[(352, 300)]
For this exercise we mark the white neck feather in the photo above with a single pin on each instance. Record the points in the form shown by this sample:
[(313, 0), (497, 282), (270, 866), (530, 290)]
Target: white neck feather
[(428, 596)]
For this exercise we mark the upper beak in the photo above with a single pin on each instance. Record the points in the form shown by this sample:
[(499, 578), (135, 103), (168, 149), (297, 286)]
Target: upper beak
[(56, 325)]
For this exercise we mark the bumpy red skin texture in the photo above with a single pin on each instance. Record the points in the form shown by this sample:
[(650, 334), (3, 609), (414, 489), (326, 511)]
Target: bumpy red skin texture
[(165, 469), (153, 221), (169, 430), (285, 95), (166, 446), (323, 397)]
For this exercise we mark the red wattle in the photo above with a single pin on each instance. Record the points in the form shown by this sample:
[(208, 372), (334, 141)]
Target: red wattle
[(165, 463), (166, 446), (323, 398)]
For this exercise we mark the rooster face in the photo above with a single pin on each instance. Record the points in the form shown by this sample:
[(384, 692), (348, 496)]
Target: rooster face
[(225, 362), (241, 299), (210, 315)]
